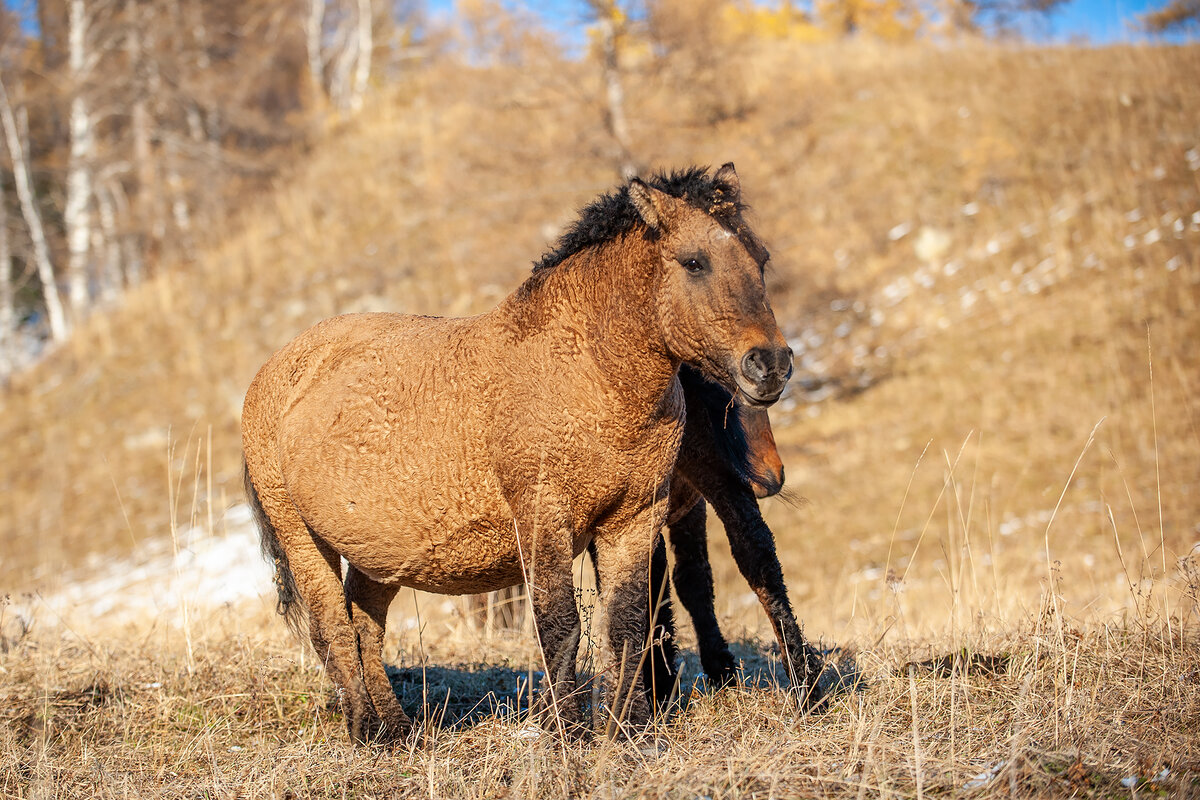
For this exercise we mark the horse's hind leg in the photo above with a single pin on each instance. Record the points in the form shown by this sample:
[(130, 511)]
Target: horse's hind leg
[(316, 569), (368, 602), (694, 585)]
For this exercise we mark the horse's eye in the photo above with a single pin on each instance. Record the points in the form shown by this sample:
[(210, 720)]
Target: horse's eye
[(694, 264)]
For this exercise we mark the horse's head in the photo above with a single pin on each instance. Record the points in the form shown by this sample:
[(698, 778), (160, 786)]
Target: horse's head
[(712, 300)]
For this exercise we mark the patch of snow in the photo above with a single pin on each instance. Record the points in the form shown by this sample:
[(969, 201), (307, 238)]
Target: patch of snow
[(984, 778), (159, 580)]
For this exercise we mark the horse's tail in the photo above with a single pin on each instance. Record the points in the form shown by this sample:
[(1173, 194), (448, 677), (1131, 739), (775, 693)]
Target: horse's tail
[(285, 581)]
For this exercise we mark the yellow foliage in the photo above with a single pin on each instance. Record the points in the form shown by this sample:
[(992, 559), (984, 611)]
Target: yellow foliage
[(891, 20), (753, 21)]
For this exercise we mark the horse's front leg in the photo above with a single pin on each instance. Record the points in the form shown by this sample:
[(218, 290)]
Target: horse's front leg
[(660, 672), (547, 550), (753, 547), (623, 565)]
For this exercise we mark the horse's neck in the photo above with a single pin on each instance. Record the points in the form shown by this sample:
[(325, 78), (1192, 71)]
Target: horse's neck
[(605, 298)]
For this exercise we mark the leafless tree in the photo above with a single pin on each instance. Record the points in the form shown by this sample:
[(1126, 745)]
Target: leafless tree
[(15, 136), (8, 310), (611, 21)]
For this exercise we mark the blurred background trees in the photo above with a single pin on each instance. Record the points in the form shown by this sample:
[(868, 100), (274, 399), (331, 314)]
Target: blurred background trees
[(134, 129), (131, 127)]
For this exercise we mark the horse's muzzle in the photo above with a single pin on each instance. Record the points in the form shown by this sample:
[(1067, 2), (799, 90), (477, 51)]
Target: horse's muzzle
[(767, 485), (763, 373)]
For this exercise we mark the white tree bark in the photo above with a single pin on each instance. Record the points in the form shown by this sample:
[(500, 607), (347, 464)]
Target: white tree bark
[(608, 17), (33, 219), (8, 312), (343, 58), (108, 243), (366, 47), (77, 214), (313, 29)]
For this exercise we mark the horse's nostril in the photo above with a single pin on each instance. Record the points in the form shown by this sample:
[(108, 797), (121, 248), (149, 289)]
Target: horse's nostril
[(754, 365), (761, 364)]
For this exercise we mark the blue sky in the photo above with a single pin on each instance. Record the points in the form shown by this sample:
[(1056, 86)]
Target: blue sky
[(1097, 21)]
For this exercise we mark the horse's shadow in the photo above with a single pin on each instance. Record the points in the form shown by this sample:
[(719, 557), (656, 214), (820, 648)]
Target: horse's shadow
[(461, 696)]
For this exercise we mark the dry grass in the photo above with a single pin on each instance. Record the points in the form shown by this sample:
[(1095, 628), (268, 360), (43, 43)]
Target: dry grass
[(986, 260), (1053, 712)]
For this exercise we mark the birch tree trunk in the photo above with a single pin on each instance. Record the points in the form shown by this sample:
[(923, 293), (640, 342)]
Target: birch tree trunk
[(313, 29), (344, 57), (77, 215), (33, 219), (609, 17), (8, 313), (366, 46), (107, 242)]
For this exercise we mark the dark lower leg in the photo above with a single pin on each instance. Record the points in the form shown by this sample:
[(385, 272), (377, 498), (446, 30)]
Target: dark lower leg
[(753, 547), (660, 673), (624, 598), (694, 585), (556, 620)]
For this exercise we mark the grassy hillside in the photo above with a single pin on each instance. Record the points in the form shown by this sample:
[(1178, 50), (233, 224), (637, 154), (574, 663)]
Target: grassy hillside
[(986, 260)]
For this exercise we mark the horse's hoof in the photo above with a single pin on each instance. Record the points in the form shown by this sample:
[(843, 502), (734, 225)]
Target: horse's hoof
[(376, 732)]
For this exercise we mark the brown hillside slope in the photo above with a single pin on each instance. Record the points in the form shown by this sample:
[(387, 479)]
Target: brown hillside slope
[(976, 248)]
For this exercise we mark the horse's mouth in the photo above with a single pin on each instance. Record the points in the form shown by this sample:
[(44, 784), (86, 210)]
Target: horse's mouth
[(757, 401)]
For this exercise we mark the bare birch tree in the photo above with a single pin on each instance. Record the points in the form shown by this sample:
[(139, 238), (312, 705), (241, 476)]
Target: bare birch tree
[(13, 134), (350, 59), (77, 209), (611, 21), (314, 31), (366, 47), (8, 310)]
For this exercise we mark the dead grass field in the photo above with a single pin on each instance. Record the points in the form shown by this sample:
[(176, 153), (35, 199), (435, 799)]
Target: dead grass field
[(988, 262)]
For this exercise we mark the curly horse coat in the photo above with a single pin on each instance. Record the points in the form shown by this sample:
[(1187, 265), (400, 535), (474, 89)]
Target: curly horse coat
[(466, 455)]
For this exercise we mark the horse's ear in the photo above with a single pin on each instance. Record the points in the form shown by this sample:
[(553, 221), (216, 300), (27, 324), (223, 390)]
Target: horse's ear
[(653, 206), (728, 176)]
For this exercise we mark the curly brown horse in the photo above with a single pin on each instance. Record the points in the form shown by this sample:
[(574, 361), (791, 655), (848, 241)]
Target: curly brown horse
[(466, 455)]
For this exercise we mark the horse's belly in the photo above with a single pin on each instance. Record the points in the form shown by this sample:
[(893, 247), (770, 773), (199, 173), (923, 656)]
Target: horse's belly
[(451, 545), (426, 520)]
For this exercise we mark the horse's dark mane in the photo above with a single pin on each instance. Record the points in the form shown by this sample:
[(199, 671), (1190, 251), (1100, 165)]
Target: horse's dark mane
[(613, 214)]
